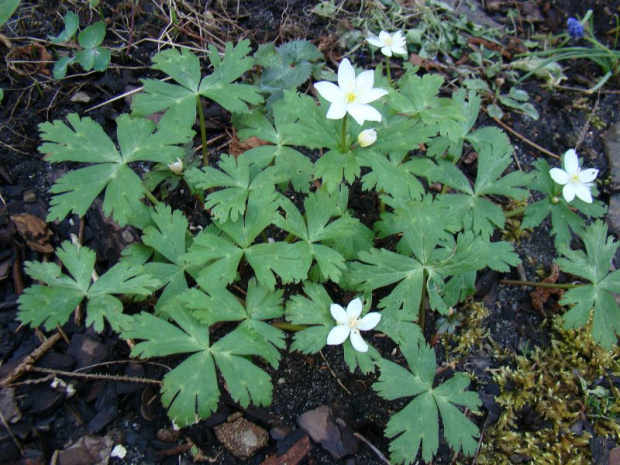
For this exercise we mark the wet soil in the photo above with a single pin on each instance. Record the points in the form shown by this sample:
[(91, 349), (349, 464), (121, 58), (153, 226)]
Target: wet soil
[(40, 420)]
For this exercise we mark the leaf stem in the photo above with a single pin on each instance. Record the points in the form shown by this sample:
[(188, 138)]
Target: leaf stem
[(203, 132), (515, 212), (515, 282), (422, 311), (150, 196), (343, 141), (387, 70), (288, 326)]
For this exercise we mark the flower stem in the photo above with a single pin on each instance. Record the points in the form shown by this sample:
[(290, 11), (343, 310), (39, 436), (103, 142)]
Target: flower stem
[(515, 212), (150, 196), (422, 311), (387, 70), (288, 326), (516, 282), (343, 142), (203, 133)]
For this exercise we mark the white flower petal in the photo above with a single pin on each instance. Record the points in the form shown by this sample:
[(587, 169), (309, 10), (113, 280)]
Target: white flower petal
[(338, 335), (569, 192), (361, 113), (367, 137), (588, 175), (375, 41), (357, 341), (329, 91), (371, 95), (346, 75), (571, 162), (387, 51), (337, 110), (384, 37), (364, 82), (339, 314), (369, 321), (559, 175), (583, 192), (354, 309)]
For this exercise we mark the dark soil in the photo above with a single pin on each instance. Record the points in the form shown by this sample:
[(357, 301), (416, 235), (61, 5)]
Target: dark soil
[(49, 420)]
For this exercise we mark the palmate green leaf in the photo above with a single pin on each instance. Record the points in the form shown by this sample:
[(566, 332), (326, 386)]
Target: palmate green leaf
[(7, 8), (167, 236), (311, 311), (290, 163), (190, 391), (53, 303), (334, 166), (218, 256), (184, 67), (564, 216), (599, 297), (494, 155), (85, 141), (239, 177), (417, 424), (320, 207), (388, 175)]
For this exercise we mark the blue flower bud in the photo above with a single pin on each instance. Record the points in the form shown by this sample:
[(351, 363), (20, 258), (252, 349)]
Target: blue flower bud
[(574, 28)]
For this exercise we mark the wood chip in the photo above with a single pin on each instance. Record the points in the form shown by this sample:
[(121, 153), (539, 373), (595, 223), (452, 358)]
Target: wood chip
[(34, 231)]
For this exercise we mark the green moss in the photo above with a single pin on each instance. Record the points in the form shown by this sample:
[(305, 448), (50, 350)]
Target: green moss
[(548, 392)]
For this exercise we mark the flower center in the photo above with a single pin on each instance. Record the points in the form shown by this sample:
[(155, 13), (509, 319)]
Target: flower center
[(575, 178), (353, 322), (389, 41), (350, 97)]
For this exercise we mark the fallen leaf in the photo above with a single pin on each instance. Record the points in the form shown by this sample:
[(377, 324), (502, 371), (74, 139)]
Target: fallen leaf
[(34, 231)]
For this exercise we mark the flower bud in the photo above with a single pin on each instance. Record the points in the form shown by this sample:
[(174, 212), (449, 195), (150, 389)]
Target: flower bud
[(367, 137), (176, 167)]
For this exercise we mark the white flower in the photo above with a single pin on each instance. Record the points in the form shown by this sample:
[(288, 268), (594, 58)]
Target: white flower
[(367, 137), (352, 94), (390, 43), (349, 323), (176, 167), (577, 182)]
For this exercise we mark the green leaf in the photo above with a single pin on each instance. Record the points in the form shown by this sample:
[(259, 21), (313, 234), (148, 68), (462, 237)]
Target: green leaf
[(333, 167), (564, 216), (289, 261), (85, 141), (72, 21), (190, 391), (7, 8), (53, 303), (599, 297), (311, 311), (239, 178), (184, 67), (93, 35), (417, 424)]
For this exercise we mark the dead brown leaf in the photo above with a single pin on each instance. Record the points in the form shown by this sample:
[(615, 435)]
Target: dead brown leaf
[(238, 147), (34, 231)]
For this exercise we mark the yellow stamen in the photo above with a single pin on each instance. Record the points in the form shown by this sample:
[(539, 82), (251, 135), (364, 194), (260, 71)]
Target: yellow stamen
[(350, 97)]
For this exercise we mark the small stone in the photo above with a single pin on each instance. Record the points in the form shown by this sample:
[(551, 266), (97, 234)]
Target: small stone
[(331, 432), (119, 452), (241, 438)]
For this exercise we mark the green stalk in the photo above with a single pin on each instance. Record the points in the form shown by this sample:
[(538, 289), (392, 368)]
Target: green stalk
[(515, 212), (422, 311), (288, 326), (516, 282), (150, 196), (343, 141), (387, 69), (203, 133)]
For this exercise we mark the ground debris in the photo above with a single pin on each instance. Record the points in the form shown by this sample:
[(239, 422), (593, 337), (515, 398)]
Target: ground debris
[(328, 430), (241, 438)]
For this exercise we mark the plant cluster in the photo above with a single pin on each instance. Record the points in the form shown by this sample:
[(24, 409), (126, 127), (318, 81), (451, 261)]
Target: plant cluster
[(277, 218)]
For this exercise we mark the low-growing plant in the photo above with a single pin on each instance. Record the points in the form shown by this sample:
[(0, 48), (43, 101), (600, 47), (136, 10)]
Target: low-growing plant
[(277, 218), (92, 55)]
